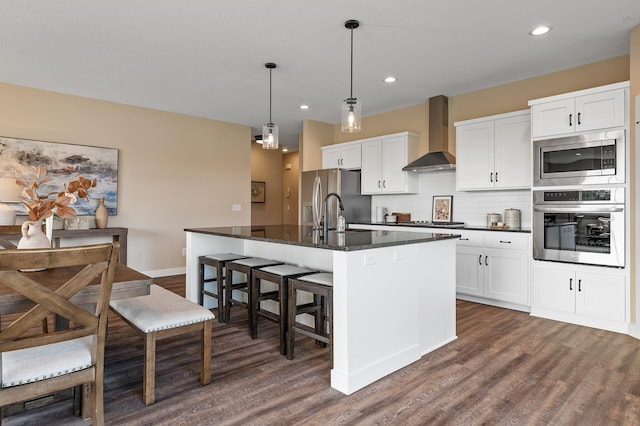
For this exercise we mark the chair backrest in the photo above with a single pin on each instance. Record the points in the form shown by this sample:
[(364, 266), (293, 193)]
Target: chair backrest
[(67, 271)]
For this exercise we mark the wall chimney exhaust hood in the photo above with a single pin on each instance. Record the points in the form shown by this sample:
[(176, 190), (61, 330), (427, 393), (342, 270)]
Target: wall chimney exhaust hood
[(438, 158)]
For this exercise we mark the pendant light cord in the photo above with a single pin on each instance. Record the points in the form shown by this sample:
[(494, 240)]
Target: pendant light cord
[(351, 63), (270, 95)]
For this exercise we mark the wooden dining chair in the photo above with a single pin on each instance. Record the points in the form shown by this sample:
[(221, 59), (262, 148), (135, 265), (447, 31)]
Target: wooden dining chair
[(33, 363)]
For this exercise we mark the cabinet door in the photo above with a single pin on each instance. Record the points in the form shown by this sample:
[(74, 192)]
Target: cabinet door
[(600, 110), (371, 167), (331, 157), (351, 157), (554, 289), (469, 270), (394, 158), (474, 156), (553, 118), (601, 296), (506, 275), (513, 152)]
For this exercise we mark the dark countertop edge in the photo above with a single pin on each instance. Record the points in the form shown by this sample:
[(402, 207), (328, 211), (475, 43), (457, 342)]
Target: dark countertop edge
[(436, 236), (453, 228)]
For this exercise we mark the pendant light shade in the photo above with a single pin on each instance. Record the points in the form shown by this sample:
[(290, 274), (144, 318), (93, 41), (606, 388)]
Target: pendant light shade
[(270, 130), (351, 110)]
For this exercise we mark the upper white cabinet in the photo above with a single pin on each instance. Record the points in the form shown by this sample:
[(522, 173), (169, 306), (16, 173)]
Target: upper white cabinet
[(494, 152), (587, 110), (382, 161), (344, 156)]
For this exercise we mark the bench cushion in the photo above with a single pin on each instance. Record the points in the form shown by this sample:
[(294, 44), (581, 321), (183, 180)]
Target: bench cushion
[(160, 310)]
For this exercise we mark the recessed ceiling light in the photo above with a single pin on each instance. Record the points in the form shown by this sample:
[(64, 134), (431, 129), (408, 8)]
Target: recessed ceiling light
[(390, 79), (538, 31), (304, 106), (284, 149)]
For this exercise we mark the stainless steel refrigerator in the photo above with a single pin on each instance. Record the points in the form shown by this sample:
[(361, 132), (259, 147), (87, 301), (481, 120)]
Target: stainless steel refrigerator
[(345, 183)]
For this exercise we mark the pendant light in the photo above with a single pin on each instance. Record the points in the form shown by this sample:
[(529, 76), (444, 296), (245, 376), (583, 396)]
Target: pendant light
[(351, 108), (270, 130)]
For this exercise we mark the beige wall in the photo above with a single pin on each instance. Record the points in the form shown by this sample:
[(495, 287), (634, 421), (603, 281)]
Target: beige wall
[(315, 134), (266, 166), (174, 172), (290, 182)]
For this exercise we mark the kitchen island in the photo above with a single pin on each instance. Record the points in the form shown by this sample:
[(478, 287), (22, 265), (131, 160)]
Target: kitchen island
[(394, 292)]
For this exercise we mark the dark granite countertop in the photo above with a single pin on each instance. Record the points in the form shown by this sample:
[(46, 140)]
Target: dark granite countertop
[(449, 228), (355, 239)]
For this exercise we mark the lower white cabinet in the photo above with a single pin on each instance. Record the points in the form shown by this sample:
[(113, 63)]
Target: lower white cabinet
[(590, 293), (494, 265)]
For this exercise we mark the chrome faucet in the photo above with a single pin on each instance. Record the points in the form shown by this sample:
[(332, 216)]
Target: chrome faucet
[(326, 211)]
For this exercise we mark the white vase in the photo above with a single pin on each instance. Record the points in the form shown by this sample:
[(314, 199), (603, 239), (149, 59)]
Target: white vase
[(32, 236)]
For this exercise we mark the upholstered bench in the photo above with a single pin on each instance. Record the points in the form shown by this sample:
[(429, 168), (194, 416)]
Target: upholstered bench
[(162, 314)]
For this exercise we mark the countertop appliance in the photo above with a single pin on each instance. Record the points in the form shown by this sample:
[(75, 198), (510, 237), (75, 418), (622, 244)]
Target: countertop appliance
[(345, 183), (580, 226), (594, 158)]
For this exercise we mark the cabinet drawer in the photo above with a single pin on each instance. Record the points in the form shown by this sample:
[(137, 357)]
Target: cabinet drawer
[(469, 238), (506, 240)]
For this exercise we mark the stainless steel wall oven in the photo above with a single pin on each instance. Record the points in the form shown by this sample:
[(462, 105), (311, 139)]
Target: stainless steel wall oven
[(580, 226), (594, 158)]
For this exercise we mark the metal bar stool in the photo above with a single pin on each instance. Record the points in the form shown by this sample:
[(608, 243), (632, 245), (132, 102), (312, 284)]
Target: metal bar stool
[(279, 275), (218, 262), (244, 266), (321, 286)]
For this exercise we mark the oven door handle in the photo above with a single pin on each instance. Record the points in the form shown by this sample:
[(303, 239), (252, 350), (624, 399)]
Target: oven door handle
[(578, 209)]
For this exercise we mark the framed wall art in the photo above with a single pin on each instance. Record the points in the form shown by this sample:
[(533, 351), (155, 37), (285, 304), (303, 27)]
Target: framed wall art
[(257, 191), (442, 208), (64, 162)]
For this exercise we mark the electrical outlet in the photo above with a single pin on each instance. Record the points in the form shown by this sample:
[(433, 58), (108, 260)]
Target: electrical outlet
[(369, 259), (236, 207)]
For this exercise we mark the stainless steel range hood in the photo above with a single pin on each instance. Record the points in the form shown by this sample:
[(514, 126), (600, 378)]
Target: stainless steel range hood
[(438, 158)]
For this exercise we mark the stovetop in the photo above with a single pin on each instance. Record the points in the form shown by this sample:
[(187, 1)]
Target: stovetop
[(428, 223)]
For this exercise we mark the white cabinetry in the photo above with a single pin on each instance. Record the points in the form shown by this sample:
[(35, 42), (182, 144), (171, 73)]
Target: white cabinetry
[(494, 152), (583, 111), (382, 161), (587, 295), (343, 156), (494, 265)]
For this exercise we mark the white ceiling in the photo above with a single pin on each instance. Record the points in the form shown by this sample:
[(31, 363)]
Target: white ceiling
[(206, 57)]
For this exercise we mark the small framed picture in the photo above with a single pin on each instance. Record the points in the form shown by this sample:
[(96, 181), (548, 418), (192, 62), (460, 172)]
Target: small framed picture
[(257, 191), (442, 208)]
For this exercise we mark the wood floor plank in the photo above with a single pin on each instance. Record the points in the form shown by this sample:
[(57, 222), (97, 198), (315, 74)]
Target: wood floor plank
[(506, 367)]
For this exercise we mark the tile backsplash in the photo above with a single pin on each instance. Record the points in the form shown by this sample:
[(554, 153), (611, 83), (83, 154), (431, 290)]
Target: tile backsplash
[(469, 207)]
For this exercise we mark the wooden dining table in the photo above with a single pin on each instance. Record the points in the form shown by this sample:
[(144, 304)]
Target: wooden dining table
[(127, 282)]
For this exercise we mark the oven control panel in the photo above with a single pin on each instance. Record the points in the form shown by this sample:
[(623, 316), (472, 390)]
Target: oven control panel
[(598, 196)]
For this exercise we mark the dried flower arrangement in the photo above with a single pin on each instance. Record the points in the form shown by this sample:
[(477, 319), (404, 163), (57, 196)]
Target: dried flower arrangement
[(43, 206)]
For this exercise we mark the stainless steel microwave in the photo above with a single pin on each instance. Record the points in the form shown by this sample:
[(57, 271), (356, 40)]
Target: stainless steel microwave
[(594, 158)]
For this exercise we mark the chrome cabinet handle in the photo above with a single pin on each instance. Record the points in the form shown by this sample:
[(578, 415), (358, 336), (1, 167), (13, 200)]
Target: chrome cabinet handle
[(505, 242), (496, 176), (384, 183), (589, 209), (486, 261), (579, 118), (570, 117), (379, 184), (571, 284), (464, 239), (579, 285), (480, 260), (491, 177)]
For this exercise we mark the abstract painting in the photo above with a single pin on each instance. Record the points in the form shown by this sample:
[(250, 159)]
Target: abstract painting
[(64, 162)]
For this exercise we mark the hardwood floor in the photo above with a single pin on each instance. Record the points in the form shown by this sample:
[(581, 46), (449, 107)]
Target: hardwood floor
[(505, 368)]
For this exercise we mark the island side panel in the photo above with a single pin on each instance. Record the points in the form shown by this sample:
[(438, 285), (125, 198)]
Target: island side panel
[(197, 245), (379, 303)]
